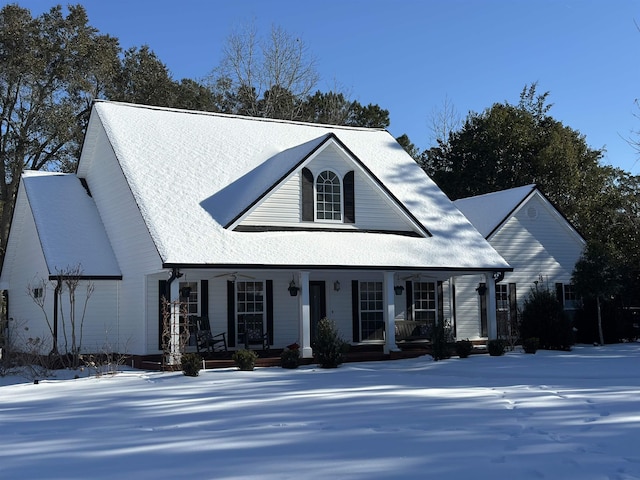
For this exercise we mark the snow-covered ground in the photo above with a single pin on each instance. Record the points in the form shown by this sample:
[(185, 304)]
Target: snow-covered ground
[(554, 415)]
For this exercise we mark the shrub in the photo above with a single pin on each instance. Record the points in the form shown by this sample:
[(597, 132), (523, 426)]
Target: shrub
[(464, 348), (290, 358), (439, 344), (245, 359), (328, 347), (191, 364), (496, 347), (530, 345), (544, 318)]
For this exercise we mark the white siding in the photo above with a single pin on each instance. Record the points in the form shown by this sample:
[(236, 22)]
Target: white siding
[(281, 208), (540, 246), (468, 307), (373, 210), (26, 267), (131, 242), (101, 325)]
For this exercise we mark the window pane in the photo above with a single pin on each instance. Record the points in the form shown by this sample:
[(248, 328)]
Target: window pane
[(424, 303), (328, 197), (250, 308)]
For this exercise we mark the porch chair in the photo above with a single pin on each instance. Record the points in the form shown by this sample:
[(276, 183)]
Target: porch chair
[(256, 336), (205, 340)]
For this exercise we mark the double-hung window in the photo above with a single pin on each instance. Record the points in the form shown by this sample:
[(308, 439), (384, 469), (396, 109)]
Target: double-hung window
[(250, 304), (189, 299), (425, 304), (371, 311)]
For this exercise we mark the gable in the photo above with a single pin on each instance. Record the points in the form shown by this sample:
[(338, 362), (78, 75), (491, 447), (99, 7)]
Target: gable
[(536, 219), (364, 204)]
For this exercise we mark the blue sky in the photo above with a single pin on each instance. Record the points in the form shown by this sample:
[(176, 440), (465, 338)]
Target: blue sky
[(408, 56)]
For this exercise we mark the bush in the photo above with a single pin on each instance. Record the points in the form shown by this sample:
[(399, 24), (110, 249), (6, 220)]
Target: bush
[(464, 348), (328, 347), (530, 345), (245, 359), (290, 358), (543, 317), (439, 343), (496, 347), (191, 364)]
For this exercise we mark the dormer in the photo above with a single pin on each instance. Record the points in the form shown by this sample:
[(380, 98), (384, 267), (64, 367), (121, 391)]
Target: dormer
[(329, 189)]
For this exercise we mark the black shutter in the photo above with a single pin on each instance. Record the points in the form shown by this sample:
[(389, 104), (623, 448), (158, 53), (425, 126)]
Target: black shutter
[(204, 298), (270, 310), (409, 299), (484, 332), (231, 314), (513, 302), (560, 293), (307, 195), (162, 295), (349, 198), (452, 286), (355, 310), (440, 291)]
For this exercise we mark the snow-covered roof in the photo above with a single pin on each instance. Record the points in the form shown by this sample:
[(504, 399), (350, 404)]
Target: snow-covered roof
[(487, 212), (192, 172), (69, 227)]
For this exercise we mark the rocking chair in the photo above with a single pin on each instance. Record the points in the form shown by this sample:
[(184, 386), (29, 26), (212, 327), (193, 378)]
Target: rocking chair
[(205, 340)]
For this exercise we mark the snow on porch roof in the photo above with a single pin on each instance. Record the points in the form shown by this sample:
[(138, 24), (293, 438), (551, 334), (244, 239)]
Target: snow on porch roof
[(182, 167), (69, 227)]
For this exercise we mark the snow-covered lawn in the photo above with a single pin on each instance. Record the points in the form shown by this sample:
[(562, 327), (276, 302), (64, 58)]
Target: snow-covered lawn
[(555, 415)]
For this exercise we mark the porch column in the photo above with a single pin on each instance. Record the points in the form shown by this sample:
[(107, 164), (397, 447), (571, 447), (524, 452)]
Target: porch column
[(174, 324), (305, 316), (389, 300), (452, 305), (492, 322)]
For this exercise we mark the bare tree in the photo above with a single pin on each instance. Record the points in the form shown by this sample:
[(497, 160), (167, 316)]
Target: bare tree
[(443, 121), (271, 77), (37, 291), (66, 283)]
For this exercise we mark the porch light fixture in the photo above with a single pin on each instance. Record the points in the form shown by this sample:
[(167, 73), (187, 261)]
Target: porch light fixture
[(293, 288), (481, 290), (398, 289), (336, 286)]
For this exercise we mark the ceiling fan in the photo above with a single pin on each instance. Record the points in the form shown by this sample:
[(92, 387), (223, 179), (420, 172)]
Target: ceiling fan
[(234, 275)]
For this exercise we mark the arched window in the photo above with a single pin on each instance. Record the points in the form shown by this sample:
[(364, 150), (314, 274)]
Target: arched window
[(328, 197)]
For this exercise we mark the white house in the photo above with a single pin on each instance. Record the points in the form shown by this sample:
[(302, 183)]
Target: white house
[(538, 242), (233, 211)]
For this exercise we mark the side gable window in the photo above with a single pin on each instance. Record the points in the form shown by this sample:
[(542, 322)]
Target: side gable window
[(328, 196)]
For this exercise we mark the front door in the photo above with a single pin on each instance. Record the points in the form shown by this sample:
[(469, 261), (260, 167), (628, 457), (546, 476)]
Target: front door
[(317, 305)]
